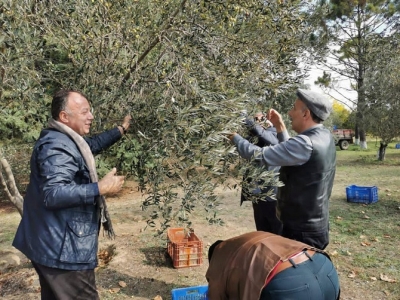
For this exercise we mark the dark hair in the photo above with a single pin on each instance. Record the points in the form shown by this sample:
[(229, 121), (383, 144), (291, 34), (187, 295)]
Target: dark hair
[(315, 118), (212, 248), (60, 100)]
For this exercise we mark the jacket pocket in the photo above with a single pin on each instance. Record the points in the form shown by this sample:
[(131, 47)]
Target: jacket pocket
[(80, 243)]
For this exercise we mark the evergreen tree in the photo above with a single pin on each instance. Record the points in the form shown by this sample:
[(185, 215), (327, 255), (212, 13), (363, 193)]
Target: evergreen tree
[(353, 28)]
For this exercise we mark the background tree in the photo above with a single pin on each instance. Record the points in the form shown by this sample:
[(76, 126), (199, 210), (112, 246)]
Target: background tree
[(382, 90), (340, 115), (183, 69), (351, 26)]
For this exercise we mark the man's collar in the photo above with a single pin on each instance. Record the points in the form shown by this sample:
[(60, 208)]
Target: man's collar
[(312, 127)]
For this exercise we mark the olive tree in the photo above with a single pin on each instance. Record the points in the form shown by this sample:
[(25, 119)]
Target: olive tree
[(183, 69), (382, 89)]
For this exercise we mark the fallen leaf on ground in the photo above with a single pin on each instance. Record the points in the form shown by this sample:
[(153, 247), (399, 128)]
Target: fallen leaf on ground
[(373, 278), (333, 253), (122, 284), (158, 297), (114, 290), (338, 217), (366, 217), (351, 275), (387, 279)]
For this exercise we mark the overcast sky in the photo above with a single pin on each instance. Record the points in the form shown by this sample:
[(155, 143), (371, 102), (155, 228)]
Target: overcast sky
[(343, 84)]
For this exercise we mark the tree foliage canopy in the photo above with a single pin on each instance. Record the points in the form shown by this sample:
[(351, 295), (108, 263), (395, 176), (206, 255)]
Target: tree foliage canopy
[(183, 69), (383, 91), (340, 115), (354, 27)]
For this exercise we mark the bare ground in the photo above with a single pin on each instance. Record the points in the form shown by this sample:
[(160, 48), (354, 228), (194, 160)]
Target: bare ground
[(135, 265)]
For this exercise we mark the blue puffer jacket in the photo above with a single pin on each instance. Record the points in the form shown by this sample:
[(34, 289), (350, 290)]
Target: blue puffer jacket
[(60, 222)]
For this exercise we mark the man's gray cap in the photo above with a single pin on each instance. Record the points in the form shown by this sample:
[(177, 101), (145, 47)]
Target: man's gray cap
[(318, 103)]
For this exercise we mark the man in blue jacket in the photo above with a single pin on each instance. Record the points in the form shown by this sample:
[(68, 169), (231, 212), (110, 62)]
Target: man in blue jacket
[(64, 203)]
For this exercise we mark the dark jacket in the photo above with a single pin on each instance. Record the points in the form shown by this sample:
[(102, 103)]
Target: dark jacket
[(60, 222), (264, 137), (303, 202)]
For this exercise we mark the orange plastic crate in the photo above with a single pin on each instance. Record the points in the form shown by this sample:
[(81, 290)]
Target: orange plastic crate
[(185, 249)]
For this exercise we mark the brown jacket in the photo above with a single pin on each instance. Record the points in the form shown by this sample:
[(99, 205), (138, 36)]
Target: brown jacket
[(240, 266)]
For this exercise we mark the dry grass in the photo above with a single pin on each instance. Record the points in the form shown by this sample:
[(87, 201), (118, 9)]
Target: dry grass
[(364, 239)]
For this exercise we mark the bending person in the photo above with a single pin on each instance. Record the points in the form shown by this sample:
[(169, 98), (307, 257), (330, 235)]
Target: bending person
[(264, 266)]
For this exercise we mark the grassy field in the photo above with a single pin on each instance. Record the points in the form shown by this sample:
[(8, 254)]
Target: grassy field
[(364, 241), (365, 238)]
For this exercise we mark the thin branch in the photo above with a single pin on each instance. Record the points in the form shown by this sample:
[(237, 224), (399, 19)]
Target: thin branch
[(153, 43)]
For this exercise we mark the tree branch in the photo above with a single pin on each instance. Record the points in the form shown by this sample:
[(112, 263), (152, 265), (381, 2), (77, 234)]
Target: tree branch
[(9, 186), (153, 43)]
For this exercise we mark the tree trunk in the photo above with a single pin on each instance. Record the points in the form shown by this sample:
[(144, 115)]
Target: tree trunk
[(361, 99), (363, 140), (382, 151), (9, 187), (356, 135)]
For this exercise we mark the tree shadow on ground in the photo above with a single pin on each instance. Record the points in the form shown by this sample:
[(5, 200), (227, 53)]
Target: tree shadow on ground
[(18, 282), (108, 281), (157, 256)]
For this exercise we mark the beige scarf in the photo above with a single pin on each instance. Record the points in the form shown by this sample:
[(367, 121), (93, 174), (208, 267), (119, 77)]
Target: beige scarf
[(91, 164)]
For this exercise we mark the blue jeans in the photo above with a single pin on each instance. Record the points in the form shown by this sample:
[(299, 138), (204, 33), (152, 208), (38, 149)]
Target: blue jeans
[(314, 279)]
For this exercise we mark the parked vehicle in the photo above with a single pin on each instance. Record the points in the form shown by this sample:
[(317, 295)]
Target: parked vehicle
[(343, 138)]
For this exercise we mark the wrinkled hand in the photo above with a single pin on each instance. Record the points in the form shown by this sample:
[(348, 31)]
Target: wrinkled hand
[(111, 183), (127, 122), (231, 135), (276, 120), (274, 116)]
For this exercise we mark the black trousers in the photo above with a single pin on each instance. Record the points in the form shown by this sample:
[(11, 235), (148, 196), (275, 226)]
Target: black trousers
[(317, 239), (265, 217), (58, 284)]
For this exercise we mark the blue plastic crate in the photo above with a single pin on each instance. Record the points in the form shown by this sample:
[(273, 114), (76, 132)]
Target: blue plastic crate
[(190, 293), (362, 194), (397, 146)]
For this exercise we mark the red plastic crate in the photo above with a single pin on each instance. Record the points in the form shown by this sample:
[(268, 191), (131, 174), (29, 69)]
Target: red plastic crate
[(185, 248)]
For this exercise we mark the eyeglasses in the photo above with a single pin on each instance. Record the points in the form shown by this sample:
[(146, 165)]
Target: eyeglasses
[(84, 112), (260, 119)]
